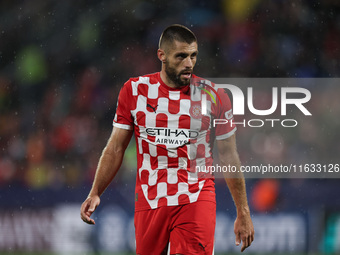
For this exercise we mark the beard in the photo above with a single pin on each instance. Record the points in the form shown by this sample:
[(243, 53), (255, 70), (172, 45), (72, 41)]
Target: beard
[(176, 77)]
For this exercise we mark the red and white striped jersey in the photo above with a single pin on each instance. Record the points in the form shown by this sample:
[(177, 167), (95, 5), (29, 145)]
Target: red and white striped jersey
[(174, 135)]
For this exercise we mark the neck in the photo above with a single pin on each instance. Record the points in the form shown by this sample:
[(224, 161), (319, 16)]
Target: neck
[(166, 80)]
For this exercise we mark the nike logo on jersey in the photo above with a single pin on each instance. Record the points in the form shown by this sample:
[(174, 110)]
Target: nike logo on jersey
[(153, 108)]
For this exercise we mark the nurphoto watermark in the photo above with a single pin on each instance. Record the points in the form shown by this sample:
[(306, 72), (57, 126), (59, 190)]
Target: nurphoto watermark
[(245, 100), (263, 107)]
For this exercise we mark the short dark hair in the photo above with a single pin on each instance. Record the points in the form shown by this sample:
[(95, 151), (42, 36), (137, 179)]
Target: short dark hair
[(176, 32)]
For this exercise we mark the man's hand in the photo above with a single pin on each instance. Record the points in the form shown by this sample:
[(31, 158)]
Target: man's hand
[(244, 231), (88, 207), (108, 166)]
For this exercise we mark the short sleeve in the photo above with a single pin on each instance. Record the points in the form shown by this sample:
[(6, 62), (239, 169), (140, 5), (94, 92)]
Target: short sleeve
[(123, 118), (225, 126)]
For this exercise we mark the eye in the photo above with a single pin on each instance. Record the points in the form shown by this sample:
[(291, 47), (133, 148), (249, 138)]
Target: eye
[(193, 55), (182, 56)]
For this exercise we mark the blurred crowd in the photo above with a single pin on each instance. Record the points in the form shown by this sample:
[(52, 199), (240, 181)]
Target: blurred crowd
[(62, 64)]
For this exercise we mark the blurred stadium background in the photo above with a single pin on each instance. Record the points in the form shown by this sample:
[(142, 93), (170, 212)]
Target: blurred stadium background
[(62, 64)]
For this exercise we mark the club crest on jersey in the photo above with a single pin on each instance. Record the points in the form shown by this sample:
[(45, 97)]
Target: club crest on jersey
[(195, 110)]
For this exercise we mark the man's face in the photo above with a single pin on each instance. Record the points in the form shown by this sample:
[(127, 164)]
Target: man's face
[(180, 62)]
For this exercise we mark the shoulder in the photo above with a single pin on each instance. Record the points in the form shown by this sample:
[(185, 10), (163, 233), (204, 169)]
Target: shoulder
[(138, 85), (202, 81), (217, 94), (146, 79), (205, 84), (141, 84)]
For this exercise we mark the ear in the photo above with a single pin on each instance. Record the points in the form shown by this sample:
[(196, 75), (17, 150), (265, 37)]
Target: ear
[(161, 55)]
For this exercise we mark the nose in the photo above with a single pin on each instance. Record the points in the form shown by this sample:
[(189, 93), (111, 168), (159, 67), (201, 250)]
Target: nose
[(188, 63)]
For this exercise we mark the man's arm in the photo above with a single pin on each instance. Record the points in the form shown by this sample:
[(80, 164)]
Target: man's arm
[(108, 166), (243, 227)]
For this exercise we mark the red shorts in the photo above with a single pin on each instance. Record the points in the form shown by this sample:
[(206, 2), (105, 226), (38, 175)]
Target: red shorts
[(188, 228)]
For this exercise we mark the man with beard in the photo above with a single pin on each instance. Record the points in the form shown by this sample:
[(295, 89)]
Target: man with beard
[(175, 208)]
